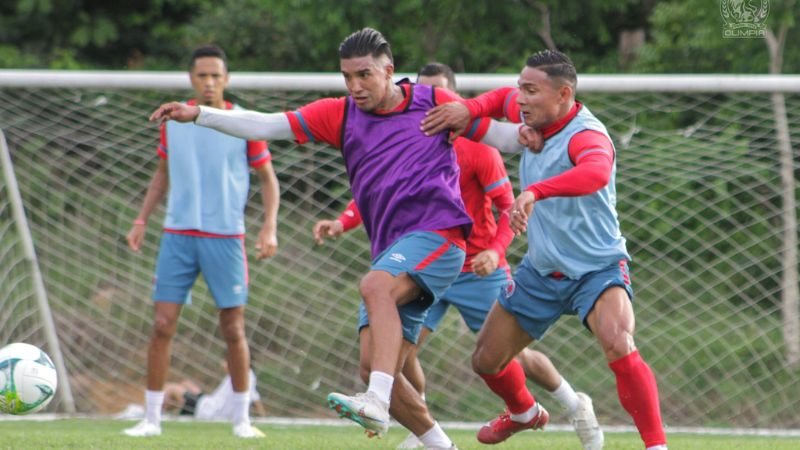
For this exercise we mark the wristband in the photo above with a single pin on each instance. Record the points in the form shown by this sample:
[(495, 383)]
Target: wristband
[(140, 222)]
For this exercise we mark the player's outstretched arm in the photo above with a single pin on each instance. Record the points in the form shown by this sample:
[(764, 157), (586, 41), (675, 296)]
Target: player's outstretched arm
[(250, 125), (176, 111)]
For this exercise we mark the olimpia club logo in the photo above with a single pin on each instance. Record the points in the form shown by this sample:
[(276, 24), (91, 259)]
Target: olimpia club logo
[(744, 18)]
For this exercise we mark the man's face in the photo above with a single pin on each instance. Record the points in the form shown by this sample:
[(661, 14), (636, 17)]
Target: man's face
[(439, 81), (539, 99), (209, 79), (367, 79)]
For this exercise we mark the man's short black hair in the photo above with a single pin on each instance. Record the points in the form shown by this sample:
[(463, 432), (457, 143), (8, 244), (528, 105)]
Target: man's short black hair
[(433, 69), (366, 41), (556, 65), (208, 50)]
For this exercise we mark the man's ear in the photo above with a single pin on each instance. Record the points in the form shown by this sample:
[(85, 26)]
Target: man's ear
[(565, 92)]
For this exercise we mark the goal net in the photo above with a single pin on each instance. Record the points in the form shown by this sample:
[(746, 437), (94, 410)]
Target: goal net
[(702, 202)]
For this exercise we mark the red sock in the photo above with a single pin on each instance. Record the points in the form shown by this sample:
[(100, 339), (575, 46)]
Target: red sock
[(638, 394), (509, 384)]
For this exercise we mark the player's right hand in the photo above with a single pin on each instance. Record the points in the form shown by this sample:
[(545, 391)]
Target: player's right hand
[(449, 116), (327, 228), (177, 111), (136, 236)]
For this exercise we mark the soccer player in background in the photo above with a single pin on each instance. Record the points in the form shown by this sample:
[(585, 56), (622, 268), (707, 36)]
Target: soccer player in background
[(406, 186), (484, 182), (205, 175), (577, 262)]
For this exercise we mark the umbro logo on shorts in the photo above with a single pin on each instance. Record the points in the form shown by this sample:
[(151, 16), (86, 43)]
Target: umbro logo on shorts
[(397, 257), (237, 289)]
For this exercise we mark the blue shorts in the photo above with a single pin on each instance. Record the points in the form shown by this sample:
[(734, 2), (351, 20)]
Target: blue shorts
[(538, 301), (432, 262), (473, 297), (223, 262)]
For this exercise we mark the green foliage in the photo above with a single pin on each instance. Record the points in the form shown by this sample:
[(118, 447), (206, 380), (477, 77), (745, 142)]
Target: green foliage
[(687, 36), (303, 35)]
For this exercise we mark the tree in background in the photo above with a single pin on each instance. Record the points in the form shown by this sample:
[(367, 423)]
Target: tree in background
[(96, 34)]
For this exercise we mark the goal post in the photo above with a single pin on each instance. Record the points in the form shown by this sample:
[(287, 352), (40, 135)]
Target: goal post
[(42, 305), (706, 185)]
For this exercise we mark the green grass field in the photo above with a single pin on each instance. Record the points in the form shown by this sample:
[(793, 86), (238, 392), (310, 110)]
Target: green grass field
[(105, 434)]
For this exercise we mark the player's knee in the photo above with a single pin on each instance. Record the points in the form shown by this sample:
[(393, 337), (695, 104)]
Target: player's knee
[(482, 364), (371, 288), (618, 345), (164, 327), (533, 361), (233, 331)]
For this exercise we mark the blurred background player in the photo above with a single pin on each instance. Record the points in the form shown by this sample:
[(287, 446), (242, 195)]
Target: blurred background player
[(406, 185), (207, 175), (484, 182), (187, 398), (577, 269)]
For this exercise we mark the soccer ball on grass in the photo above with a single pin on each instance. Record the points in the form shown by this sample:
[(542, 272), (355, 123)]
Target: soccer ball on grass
[(28, 379)]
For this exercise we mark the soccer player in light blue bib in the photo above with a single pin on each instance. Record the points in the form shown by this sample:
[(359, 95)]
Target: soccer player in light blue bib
[(576, 262), (207, 175)]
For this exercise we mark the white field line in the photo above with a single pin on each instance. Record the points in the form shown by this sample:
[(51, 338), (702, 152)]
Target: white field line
[(292, 421)]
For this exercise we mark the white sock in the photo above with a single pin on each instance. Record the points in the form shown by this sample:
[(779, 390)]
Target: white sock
[(380, 383), (566, 396), (658, 447), (527, 416), (436, 437), (241, 407), (153, 402)]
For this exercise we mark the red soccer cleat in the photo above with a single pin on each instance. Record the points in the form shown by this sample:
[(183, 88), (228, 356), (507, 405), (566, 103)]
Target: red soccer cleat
[(503, 427)]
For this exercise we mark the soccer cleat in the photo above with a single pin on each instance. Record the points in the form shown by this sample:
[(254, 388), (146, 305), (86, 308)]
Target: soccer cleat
[(503, 427), (585, 424), (143, 429), (364, 409), (411, 441), (452, 447), (247, 431)]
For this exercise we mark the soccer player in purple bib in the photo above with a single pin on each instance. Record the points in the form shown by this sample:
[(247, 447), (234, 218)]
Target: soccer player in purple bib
[(484, 182), (406, 185), (206, 174), (576, 262)]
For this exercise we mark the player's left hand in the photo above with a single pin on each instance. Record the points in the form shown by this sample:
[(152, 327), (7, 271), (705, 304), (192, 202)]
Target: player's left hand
[(453, 116), (485, 262), (520, 210), (531, 138), (267, 244)]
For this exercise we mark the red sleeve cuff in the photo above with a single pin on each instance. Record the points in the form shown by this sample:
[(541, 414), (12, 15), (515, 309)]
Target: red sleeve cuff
[(350, 217), (537, 191)]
